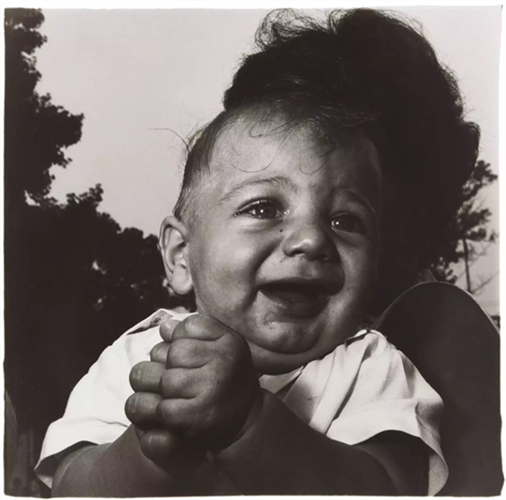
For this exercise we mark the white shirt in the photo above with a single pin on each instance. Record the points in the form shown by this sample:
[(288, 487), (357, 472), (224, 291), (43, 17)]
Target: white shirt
[(362, 388)]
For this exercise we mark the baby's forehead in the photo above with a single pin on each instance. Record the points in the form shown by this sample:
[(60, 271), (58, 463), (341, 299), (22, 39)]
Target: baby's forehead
[(251, 144)]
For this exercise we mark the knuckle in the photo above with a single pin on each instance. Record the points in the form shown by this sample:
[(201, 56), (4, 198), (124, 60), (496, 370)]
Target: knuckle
[(180, 351), (174, 383), (179, 330), (174, 351), (164, 413), (172, 413), (166, 384)]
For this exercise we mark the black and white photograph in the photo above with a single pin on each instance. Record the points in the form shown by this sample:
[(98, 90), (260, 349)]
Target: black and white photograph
[(252, 251)]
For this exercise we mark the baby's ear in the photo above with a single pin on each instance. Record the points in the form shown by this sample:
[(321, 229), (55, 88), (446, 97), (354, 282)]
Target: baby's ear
[(173, 246)]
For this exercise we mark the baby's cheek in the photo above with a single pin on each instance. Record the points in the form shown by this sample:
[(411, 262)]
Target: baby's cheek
[(360, 264)]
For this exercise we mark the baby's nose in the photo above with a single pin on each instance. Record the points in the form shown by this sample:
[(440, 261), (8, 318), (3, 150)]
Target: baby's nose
[(311, 241)]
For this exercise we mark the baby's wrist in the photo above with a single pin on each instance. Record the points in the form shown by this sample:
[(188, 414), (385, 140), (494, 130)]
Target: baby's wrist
[(267, 408), (253, 415), (255, 411)]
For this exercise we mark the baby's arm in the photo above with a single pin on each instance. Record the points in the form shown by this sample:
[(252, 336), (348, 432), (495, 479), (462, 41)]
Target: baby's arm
[(259, 443), (282, 455), (144, 461), (116, 469)]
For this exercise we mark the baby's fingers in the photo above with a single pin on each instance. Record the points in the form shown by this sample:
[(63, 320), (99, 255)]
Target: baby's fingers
[(165, 447), (140, 409), (200, 327), (158, 444), (145, 376), (166, 329), (159, 352)]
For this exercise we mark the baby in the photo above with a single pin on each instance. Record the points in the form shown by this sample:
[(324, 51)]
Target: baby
[(273, 386)]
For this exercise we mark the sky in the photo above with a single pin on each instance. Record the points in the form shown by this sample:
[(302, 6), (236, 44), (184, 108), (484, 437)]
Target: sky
[(146, 79)]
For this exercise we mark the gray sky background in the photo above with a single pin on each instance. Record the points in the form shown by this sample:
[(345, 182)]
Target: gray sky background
[(143, 79)]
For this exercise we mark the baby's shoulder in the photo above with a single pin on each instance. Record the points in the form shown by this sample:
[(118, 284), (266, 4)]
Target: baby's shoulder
[(370, 342)]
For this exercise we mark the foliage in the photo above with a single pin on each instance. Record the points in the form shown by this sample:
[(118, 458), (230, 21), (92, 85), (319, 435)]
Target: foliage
[(74, 279), (36, 131), (469, 226)]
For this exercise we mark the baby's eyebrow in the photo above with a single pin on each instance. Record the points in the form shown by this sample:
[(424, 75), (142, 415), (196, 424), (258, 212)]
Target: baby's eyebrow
[(358, 198), (276, 181)]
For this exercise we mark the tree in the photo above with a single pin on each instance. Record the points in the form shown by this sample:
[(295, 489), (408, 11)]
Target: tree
[(80, 281), (468, 229), (36, 131), (74, 279)]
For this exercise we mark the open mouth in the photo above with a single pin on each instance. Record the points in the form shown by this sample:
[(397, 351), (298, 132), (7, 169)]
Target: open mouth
[(295, 292), (298, 297)]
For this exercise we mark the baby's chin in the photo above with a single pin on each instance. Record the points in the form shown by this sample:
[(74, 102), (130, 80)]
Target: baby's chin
[(274, 363), (282, 353)]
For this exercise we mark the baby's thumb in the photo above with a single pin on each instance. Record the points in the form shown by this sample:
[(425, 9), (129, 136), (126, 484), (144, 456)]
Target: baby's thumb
[(168, 449)]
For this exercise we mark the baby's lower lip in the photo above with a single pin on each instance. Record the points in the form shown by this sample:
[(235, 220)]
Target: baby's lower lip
[(296, 300)]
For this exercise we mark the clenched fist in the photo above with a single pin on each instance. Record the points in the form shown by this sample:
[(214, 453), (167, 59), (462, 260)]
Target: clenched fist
[(163, 446), (210, 391)]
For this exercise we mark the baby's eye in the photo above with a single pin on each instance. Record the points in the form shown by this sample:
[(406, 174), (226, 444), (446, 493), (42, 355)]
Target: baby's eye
[(262, 209), (349, 223)]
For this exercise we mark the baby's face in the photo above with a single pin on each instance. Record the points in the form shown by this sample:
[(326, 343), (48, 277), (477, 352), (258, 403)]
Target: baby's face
[(284, 242)]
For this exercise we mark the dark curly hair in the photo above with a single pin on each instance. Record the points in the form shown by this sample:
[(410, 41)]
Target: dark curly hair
[(364, 70)]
